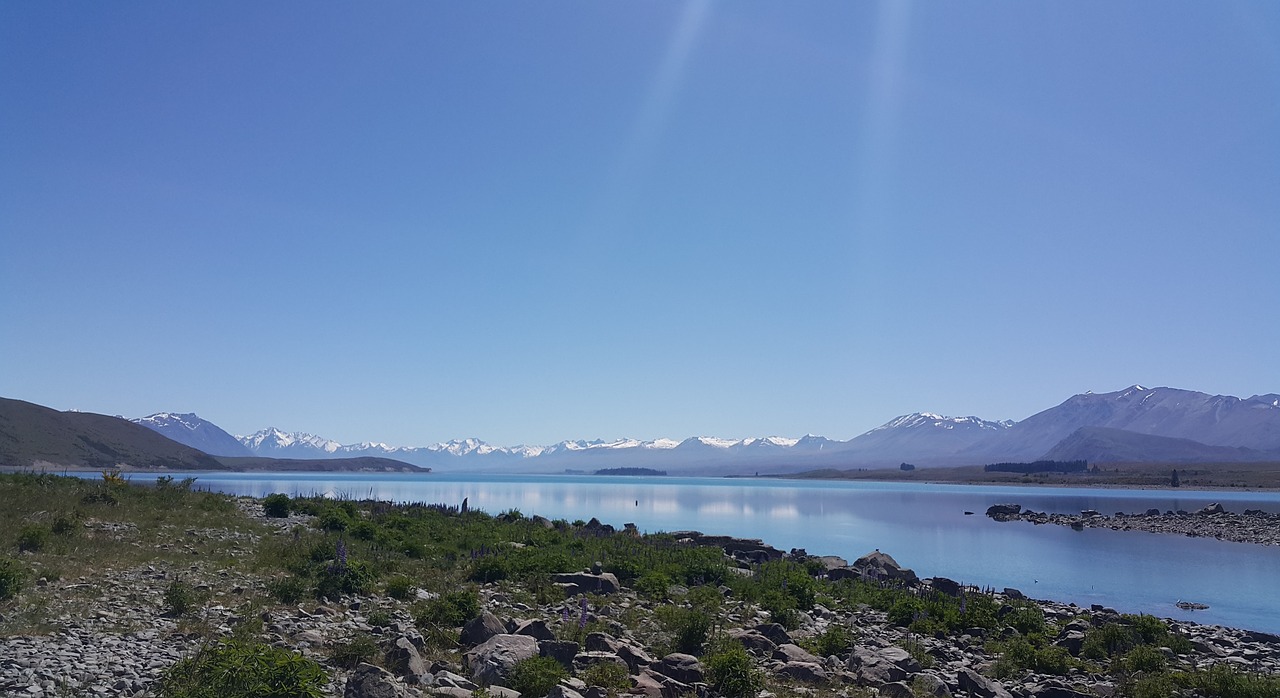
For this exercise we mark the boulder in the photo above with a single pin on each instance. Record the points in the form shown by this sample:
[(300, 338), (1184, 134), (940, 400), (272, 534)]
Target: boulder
[(655, 685), (369, 681), (562, 691), (635, 657), (897, 689), (576, 583), (536, 629), (490, 662), (950, 587), (807, 672), (1214, 508), (478, 630), (883, 665), (978, 685), (600, 642), (774, 632), (1057, 689), (931, 685), (404, 660), (882, 566), (1004, 512), (562, 651), (795, 653), (684, 668), (755, 643), (584, 660)]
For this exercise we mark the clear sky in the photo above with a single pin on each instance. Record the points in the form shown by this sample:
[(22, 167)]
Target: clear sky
[(525, 222)]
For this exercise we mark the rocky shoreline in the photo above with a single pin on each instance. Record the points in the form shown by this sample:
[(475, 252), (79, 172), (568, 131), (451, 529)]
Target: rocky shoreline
[(107, 636), (1214, 521)]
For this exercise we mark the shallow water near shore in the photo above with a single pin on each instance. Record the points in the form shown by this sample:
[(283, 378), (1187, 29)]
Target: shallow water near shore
[(922, 525)]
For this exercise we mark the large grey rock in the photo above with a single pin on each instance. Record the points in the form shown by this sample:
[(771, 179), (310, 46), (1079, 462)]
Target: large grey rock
[(369, 681), (562, 651), (807, 672), (880, 565), (585, 660), (562, 691), (404, 660), (599, 642), (755, 643), (478, 630), (490, 662), (978, 685), (684, 668), (1055, 689), (795, 653), (897, 689), (932, 685), (635, 657), (583, 583), (1004, 511), (884, 665), (774, 632), (655, 685), (536, 629)]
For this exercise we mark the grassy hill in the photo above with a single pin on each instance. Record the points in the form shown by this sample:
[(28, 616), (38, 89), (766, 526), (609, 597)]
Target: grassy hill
[(33, 436)]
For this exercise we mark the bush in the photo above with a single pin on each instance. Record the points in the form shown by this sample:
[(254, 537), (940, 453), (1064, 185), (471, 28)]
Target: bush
[(536, 676), (33, 538), (835, 640), (1017, 656), (688, 627), (731, 672), (607, 675), (276, 505), (349, 654), (399, 586), (64, 525), (337, 578), (1144, 658), (179, 598), (1107, 641), (287, 590), (11, 578), (653, 584), (243, 669), (451, 609), (1223, 681), (379, 618)]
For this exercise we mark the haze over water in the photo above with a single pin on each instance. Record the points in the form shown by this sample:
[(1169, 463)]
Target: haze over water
[(922, 525)]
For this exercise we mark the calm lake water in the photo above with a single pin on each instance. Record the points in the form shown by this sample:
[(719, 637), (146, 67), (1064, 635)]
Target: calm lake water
[(923, 526)]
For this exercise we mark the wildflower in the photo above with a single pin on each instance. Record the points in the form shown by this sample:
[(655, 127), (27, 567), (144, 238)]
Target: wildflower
[(582, 617), (341, 554)]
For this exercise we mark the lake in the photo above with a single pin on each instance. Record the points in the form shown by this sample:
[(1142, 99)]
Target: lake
[(923, 526)]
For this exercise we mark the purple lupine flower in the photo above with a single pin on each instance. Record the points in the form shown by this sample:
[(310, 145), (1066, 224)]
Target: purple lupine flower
[(341, 554), (582, 618), (564, 615)]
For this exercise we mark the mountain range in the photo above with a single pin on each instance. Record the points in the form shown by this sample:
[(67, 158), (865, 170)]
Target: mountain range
[(1136, 424)]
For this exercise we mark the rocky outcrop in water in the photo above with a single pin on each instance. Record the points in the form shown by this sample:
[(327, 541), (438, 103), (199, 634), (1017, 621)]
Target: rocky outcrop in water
[(1213, 521)]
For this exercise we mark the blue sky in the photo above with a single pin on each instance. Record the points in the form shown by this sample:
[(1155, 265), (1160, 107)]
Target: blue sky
[(527, 222)]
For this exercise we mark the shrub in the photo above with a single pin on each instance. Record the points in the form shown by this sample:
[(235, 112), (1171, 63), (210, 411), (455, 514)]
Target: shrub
[(33, 538), (536, 676), (243, 669), (288, 590), (379, 618), (179, 598), (450, 609), (835, 640), (688, 627), (1224, 681), (276, 505), (607, 675), (653, 584), (1144, 658), (65, 525), (1107, 641), (399, 586), (11, 578), (359, 648), (731, 672), (1027, 619), (1017, 656)]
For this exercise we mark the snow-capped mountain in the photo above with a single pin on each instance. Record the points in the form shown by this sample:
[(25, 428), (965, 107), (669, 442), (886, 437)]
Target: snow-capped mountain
[(923, 437), (278, 444), (1160, 422), (189, 430)]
